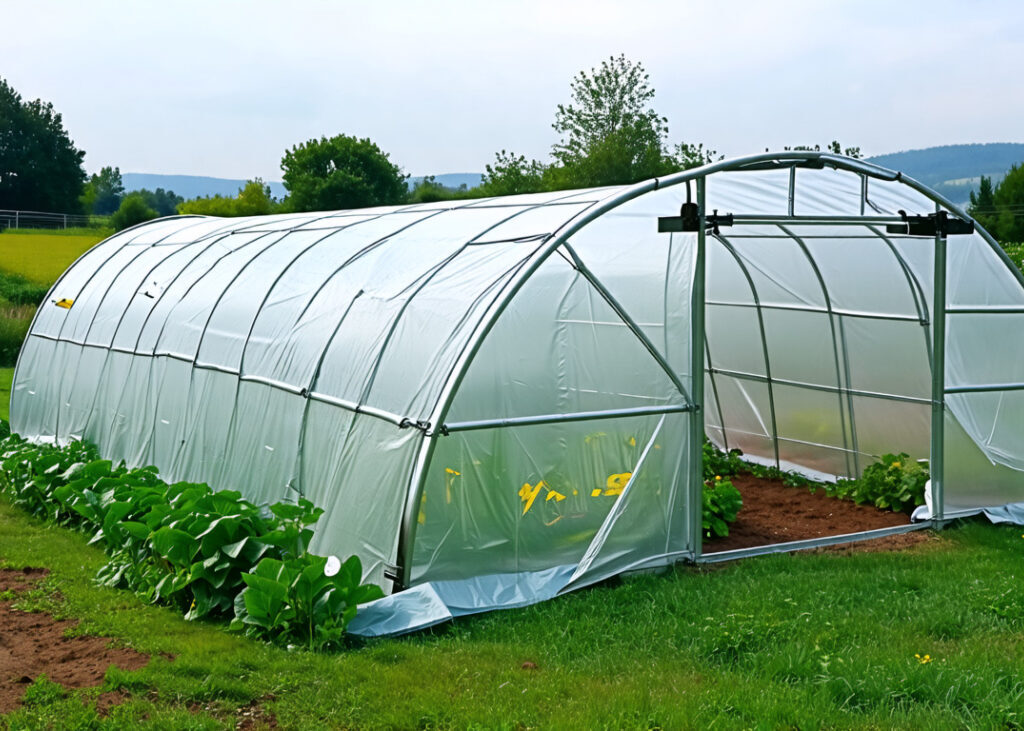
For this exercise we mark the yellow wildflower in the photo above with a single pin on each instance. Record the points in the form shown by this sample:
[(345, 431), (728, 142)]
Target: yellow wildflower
[(718, 478), (923, 659)]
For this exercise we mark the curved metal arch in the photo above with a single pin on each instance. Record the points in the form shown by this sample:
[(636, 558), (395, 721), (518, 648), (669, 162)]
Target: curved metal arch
[(120, 320), (835, 352), (142, 328), (92, 276), (310, 388), (765, 161), (280, 236), (764, 341)]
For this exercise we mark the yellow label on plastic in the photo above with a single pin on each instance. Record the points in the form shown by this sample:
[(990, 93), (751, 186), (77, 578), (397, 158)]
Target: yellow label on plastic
[(616, 483), (65, 303), (528, 493)]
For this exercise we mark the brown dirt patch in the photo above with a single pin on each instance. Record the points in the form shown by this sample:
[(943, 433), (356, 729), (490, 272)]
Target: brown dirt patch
[(774, 513), (33, 643)]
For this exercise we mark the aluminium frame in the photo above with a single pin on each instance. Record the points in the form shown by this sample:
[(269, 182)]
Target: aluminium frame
[(766, 161)]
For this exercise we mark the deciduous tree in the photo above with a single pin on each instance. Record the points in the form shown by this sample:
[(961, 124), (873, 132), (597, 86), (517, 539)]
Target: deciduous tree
[(103, 192), (253, 199), (610, 133), (341, 172), (133, 210), (40, 167)]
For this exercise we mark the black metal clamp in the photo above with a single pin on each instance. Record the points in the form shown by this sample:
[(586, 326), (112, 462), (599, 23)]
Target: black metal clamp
[(939, 224), (688, 220)]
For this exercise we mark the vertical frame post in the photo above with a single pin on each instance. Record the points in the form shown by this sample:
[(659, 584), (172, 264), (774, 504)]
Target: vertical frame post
[(697, 346), (936, 463)]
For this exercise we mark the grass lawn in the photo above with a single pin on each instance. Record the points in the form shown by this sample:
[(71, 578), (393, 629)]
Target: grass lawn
[(774, 642), (6, 376), (42, 256)]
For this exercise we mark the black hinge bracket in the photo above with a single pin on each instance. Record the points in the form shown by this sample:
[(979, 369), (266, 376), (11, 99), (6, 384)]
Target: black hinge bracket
[(688, 220), (939, 224)]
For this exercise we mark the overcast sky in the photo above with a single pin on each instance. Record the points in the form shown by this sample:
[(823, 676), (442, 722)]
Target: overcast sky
[(223, 88)]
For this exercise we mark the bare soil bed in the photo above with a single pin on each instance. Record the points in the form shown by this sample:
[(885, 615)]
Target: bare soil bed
[(774, 513), (32, 643)]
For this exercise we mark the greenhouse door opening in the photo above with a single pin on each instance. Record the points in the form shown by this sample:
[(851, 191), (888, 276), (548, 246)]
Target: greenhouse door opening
[(823, 351)]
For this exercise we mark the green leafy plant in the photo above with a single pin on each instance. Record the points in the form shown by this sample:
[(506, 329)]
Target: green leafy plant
[(182, 544), (717, 462), (721, 504), (895, 483), (300, 602), (786, 477)]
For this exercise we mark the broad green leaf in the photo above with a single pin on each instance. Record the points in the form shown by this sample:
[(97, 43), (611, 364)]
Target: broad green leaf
[(175, 545)]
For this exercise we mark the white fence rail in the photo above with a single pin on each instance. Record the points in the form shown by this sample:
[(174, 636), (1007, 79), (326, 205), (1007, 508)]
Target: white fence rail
[(42, 219)]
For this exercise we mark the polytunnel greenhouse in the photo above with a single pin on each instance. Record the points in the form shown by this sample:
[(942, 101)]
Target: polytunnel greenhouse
[(498, 400)]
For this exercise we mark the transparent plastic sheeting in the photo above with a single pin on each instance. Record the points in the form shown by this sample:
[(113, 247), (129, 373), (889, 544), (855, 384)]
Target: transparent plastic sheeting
[(325, 355)]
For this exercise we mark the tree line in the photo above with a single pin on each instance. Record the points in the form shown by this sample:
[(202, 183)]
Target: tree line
[(1000, 209)]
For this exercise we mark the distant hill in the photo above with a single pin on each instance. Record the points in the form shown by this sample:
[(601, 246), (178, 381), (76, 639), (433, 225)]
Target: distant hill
[(192, 186), (955, 170)]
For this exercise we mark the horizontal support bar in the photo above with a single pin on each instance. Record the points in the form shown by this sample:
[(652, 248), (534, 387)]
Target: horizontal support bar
[(986, 388), (395, 419), (818, 387), (273, 383), (824, 237), (983, 310), (806, 544), (354, 407), (768, 219), (769, 461), (822, 310), (558, 418)]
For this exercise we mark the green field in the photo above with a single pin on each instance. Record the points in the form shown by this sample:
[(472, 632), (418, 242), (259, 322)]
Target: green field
[(38, 257), (6, 376), (931, 637), (42, 256)]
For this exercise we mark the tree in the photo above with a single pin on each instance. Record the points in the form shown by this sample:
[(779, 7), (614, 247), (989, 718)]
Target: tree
[(686, 156), (103, 192), (983, 205), (253, 199), (609, 132), (164, 202), (1001, 210), (341, 172), (40, 167), (512, 174), (833, 147), (133, 210), (428, 190)]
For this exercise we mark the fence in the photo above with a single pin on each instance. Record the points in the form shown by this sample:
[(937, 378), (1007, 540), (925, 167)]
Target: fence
[(40, 219)]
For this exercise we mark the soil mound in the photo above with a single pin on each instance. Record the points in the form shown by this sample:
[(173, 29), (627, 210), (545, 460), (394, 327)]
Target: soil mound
[(774, 513), (34, 643)]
